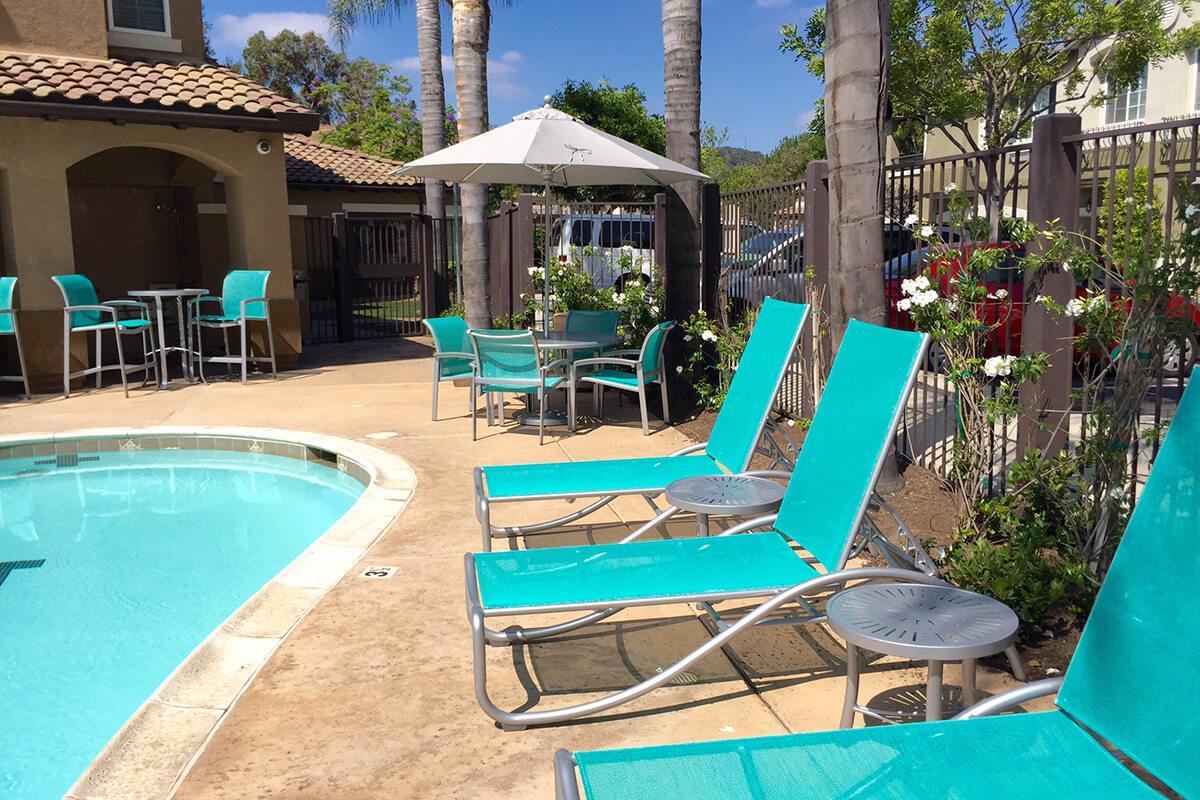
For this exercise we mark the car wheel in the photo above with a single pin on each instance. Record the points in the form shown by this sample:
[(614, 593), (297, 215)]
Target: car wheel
[(936, 359), (620, 283)]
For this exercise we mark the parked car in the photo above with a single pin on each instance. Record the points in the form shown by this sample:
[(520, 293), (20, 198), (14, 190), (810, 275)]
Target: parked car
[(1005, 314), (597, 241)]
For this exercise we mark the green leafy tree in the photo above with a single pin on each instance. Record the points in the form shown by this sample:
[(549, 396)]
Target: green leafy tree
[(1131, 222), (293, 65), (954, 62), (372, 111), (620, 111)]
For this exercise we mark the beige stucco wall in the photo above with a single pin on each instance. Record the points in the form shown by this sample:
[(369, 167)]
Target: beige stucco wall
[(35, 215), (58, 27)]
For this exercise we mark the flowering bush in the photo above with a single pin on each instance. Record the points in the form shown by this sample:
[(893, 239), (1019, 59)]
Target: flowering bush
[(714, 352)]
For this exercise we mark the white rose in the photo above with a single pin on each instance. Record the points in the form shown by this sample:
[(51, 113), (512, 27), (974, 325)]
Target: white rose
[(903, 305), (998, 366), (908, 286), (924, 298), (951, 306), (534, 272), (1074, 308), (679, 370), (922, 282), (951, 187), (926, 232), (911, 220), (1001, 294), (1096, 301), (687, 337)]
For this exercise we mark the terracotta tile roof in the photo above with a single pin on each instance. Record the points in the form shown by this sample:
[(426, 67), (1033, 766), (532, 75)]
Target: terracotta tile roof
[(137, 89), (313, 163)]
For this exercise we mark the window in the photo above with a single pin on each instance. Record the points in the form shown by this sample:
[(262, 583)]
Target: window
[(638, 234), (149, 16), (1127, 104), (581, 232)]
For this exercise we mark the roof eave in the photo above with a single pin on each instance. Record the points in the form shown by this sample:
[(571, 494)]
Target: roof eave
[(287, 122)]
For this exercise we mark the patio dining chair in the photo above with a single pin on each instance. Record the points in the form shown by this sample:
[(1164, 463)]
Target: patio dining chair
[(616, 369), (1126, 699), (9, 327), (453, 357), (736, 435), (84, 313), (510, 362), (590, 322), (822, 514), (243, 300)]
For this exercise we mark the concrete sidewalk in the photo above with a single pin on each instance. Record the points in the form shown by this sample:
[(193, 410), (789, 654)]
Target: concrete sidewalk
[(371, 695)]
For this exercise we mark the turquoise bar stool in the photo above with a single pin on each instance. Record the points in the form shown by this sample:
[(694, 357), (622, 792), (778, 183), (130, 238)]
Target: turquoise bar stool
[(243, 300), (9, 327), (617, 370), (452, 357), (84, 313)]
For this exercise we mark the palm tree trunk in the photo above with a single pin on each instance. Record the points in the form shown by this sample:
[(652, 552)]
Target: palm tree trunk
[(433, 133), (681, 82), (856, 68), (472, 29)]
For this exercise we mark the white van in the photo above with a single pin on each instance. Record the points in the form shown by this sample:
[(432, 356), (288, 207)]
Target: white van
[(597, 241)]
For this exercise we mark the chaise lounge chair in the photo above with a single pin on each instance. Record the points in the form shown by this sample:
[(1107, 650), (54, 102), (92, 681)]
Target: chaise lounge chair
[(735, 436), (823, 511), (1131, 684)]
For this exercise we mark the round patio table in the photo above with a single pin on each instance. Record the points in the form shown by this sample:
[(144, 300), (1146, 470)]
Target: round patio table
[(566, 342), (729, 495), (930, 623), (185, 344)]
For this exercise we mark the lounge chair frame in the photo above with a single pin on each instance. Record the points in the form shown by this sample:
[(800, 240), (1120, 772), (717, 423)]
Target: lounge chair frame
[(112, 309), (10, 312), (479, 383)]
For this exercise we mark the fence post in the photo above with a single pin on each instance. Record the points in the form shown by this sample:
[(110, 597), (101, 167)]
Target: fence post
[(524, 255), (816, 257), (343, 271), (1053, 196), (710, 248), (429, 275)]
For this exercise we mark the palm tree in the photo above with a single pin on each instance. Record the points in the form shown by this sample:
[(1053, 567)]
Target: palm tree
[(343, 16), (856, 71), (681, 83), (472, 31)]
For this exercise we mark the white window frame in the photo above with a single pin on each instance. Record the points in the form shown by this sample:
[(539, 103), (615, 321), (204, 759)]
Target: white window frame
[(112, 26), (1145, 103)]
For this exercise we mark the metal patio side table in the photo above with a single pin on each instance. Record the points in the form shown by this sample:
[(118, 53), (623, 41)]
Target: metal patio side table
[(726, 495), (931, 623)]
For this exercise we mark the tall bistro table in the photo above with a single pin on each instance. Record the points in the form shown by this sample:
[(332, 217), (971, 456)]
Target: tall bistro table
[(566, 342), (185, 344)]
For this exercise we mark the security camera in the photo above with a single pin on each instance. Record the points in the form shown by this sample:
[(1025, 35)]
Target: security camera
[(263, 147)]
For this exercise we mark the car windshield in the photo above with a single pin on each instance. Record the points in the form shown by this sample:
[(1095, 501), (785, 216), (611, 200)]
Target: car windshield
[(638, 234), (762, 243)]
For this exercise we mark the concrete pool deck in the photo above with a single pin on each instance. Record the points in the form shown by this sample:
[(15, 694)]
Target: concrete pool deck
[(370, 696)]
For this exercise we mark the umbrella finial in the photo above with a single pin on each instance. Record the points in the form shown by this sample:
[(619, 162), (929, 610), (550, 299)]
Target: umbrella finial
[(546, 101)]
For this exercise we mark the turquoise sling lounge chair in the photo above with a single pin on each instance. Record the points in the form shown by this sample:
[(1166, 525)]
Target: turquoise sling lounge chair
[(822, 512), (9, 327), (735, 436), (453, 357), (1132, 682)]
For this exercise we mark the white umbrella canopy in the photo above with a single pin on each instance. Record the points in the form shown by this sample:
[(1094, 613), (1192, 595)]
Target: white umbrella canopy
[(547, 146)]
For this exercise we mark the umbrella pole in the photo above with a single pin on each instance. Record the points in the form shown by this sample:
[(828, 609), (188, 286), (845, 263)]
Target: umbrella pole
[(546, 312)]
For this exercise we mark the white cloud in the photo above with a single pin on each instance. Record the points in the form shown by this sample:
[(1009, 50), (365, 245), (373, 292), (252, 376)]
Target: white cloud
[(502, 73), (233, 31), (772, 3)]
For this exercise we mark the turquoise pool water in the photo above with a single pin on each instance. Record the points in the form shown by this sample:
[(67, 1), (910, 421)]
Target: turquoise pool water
[(111, 572)]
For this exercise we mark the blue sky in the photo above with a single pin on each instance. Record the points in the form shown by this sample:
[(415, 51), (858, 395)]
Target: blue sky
[(747, 85)]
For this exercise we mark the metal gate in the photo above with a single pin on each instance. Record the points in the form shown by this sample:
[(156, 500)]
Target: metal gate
[(368, 277)]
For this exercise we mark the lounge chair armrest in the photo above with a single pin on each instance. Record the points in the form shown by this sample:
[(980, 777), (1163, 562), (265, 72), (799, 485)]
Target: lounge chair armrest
[(452, 354), (629, 351), (127, 304), (566, 787), (560, 363), (624, 362), (1013, 697), (757, 522), (691, 448), (207, 298), (104, 309), (250, 300), (767, 473)]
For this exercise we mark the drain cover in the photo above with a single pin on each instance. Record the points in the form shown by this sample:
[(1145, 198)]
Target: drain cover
[(378, 573)]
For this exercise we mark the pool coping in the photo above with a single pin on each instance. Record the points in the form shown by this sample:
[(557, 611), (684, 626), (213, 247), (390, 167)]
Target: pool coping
[(152, 752)]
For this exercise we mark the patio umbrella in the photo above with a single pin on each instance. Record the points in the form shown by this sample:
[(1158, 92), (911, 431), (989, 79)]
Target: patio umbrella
[(547, 146)]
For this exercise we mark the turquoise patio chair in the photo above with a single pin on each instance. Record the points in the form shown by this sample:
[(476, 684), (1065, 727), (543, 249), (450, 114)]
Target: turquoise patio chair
[(615, 369), (84, 313), (510, 362), (737, 433), (822, 513), (1131, 684), (9, 327), (243, 300), (453, 357), (591, 322)]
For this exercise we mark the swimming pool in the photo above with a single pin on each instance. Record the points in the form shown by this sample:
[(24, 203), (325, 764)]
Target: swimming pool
[(117, 558)]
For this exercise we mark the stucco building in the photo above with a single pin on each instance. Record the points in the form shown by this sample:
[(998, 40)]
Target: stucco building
[(125, 157)]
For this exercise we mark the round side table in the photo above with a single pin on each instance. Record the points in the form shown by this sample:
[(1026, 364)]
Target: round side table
[(931, 623), (726, 495)]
